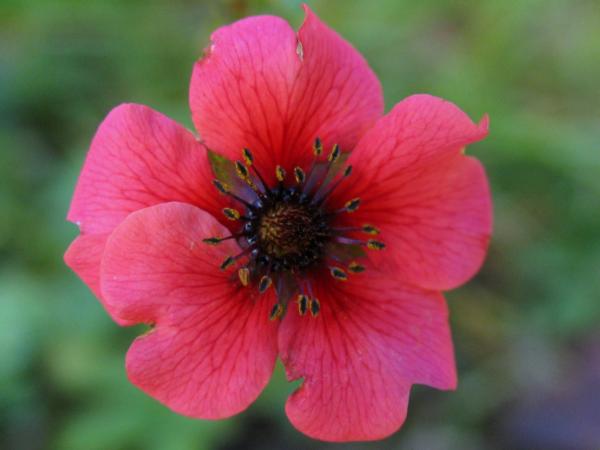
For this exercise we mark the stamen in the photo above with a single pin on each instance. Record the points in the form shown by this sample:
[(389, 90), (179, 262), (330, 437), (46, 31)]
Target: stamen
[(264, 284), (352, 205), (370, 229), (244, 174), (280, 173), (354, 267), (302, 304), (227, 263), (222, 187), (225, 189), (242, 170), (244, 276), (338, 273), (249, 159), (212, 240), (321, 197), (277, 311), (318, 147), (247, 155), (315, 307), (334, 155), (299, 175), (231, 259), (375, 245), (231, 214)]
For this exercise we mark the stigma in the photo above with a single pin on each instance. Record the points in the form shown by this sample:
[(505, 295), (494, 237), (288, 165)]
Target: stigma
[(288, 234)]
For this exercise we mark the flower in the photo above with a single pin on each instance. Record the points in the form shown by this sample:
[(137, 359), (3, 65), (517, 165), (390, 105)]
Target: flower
[(304, 223)]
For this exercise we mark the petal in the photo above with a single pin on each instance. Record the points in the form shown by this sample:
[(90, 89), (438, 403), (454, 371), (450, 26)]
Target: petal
[(261, 86), (83, 257), (240, 91), (139, 158), (212, 348), (337, 96), (431, 202), (360, 356)]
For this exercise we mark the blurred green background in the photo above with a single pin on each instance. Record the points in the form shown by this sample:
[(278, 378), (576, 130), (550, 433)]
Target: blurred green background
[(526, 328)]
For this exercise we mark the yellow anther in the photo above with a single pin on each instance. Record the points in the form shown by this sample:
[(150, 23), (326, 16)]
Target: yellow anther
[(299, 175), (335, 154), (242, 171), (231, 214), (352, 205), (244, 276), (302, 304), (264, 283), (354, 267), (315, 307), (277, 311), (280, 173), (227, 263), (375, 245), (222, 187), (370, 229), (247, 155), (317, 147), (338, 273)]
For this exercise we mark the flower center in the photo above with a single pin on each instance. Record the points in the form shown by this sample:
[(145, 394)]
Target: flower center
[(290, 232), (288, 235)]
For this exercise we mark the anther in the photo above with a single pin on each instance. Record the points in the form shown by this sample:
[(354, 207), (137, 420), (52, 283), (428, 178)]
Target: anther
[(302, 304), (242, 171), (231, 214), (352, 205), (354, 267), (299, 175), (280, 173), (335, 154), (347, 171), (338, 273), (247, 155), (317, 147), (212, 240), (315, 307), (277, 311), (375, 245), (264, 284), (244, 276), (227, 263), (370, 229), (222, 187)]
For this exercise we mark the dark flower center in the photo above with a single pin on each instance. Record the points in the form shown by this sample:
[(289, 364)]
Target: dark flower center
[(288, 234)]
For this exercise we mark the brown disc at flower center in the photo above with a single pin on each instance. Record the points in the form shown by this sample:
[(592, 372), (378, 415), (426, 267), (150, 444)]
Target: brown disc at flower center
[(287, 229)]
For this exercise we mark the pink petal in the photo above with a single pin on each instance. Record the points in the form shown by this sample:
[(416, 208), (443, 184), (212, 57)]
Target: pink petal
[(373, 339), (212, 348), (430, 201), (83, 257), (138, 158), (260, 86)]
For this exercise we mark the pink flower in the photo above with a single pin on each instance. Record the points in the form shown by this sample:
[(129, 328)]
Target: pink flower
[(334, 264)]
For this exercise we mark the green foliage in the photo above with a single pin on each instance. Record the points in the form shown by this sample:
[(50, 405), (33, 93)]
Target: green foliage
[(532, 65)]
